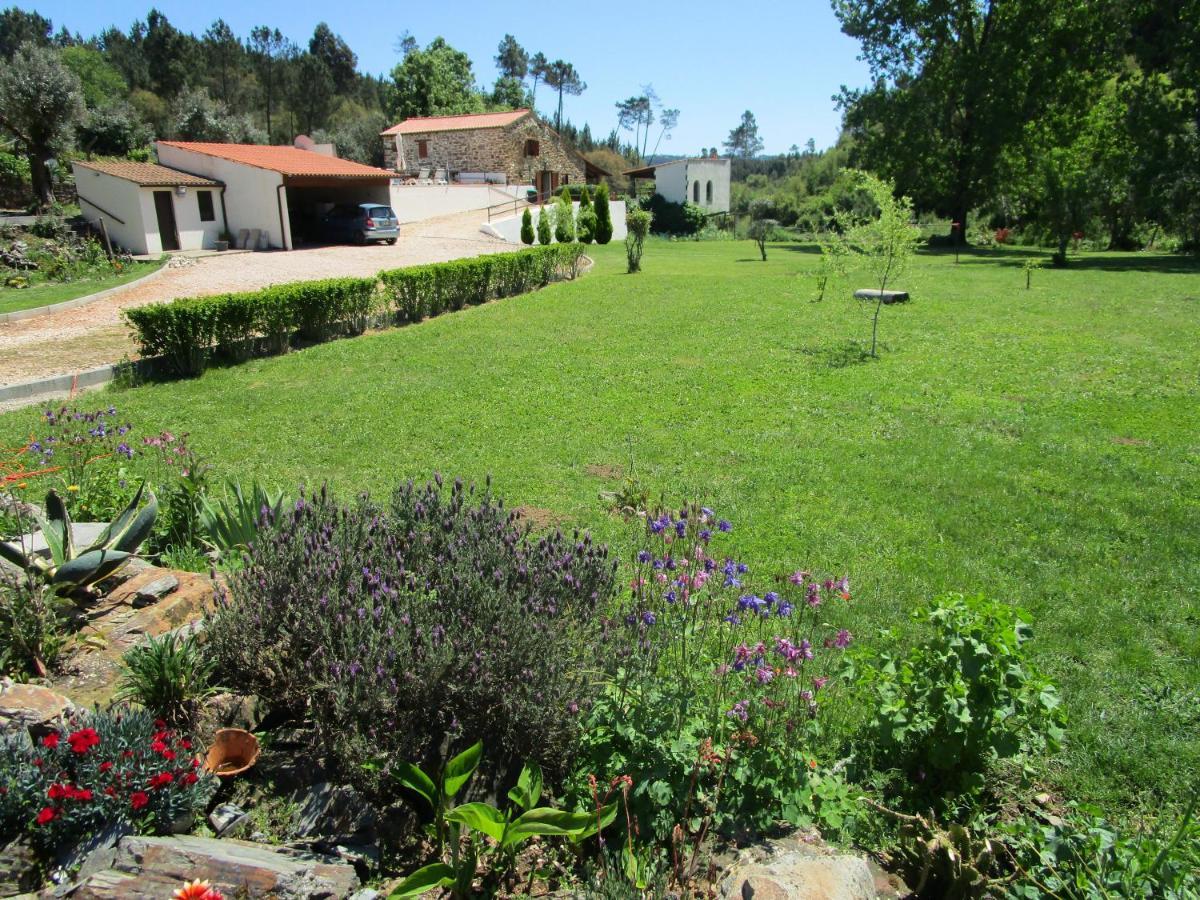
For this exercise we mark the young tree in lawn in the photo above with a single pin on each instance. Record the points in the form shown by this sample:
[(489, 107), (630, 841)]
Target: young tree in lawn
[(41, 103), (881, 242), (526, 227), (637, 225), (743, 141), (604, 225)]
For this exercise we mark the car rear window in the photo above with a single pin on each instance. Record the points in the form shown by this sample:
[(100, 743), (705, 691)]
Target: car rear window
[(381, 212)]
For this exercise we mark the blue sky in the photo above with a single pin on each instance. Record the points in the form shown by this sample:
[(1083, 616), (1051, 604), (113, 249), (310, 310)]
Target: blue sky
[(712, 60)]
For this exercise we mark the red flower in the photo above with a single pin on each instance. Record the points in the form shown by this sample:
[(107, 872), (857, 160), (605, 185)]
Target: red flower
[(106, 766), (159, 724), (47, 815), (38, 762), (57, 791), (168, 754), (162, 779), (3, 790), (185, 744), (111, 791), (138, 799), (83, 740), (188, 778), (50, 741), (158, 747), (195, 762), (127, 754), (83, 794), (161, 736)]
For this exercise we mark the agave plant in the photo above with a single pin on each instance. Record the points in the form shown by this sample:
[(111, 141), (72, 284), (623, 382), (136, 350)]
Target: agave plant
[(231, 524), (69, 569)]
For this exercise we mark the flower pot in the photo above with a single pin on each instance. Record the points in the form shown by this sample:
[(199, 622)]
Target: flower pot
[(221, 245), (232, 752)]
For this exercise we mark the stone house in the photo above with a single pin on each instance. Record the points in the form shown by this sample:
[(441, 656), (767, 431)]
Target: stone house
[(514, 147)]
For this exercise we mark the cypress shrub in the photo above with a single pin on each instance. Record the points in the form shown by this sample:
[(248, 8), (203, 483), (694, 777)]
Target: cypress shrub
[(543, 226), (527, 227), (564, 220), (604, 225), (587, 224)]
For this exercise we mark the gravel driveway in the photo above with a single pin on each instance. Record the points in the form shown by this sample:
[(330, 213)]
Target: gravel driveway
[(92, 335)]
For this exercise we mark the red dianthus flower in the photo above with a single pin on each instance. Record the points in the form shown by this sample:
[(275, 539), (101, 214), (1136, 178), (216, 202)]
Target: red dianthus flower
[(47, 815), (138, 799)]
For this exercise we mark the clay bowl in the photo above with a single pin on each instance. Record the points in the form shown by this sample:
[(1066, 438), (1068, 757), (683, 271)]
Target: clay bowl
[(232, 752)]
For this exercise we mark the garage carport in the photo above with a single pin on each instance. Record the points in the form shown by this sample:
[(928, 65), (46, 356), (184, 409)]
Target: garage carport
[(279, 191)]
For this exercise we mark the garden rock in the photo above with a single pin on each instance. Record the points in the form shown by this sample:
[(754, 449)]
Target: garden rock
[(95, 854), (18, 869), (798, 868), (154, 867), (154, 590), (30, 706), (226, 710), (227, 818), (328, 810)]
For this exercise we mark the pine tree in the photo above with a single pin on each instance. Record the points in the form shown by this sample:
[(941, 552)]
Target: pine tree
[(604, 226), (527, 227)]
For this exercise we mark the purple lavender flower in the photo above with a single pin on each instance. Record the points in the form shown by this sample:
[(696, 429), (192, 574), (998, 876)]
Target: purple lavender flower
[(681, 528), (705, 535)]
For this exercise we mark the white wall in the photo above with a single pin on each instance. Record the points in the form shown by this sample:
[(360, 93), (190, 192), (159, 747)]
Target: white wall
[(194, 234), (671, 181), (703, 171), (251, 196), (415, 202), (510, 228), (120, 198)]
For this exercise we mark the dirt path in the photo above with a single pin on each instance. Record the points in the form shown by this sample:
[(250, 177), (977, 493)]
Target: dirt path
[(89, 336)]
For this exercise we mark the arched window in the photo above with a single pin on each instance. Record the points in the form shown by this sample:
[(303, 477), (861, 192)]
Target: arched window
[(708, 194), (695, 192)]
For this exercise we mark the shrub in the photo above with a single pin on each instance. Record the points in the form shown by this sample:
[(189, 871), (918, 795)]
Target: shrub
[(604, 226), (587, 224), (321, 307), (105, 768), (585, 198), (435, 618), (32, 634), (182, 331), (167, 675), (674, 218), (527, 227), (761, 231), (544, 234), (564, 221), (963, 697), (637, 224), (236, 325)]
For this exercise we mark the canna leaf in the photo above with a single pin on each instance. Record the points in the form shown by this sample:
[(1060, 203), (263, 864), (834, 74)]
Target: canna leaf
[(529, 787), (545, 820), (460, 769), (425, 879), (480, 816), (414, 779)]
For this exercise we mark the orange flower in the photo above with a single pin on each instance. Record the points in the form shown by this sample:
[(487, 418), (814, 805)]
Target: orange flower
[(812, 763), (197, 890)]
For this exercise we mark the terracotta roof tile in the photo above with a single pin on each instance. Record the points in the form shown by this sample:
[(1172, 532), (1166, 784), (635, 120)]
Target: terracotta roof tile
[(465, 122), (284, 160), (146, 174)]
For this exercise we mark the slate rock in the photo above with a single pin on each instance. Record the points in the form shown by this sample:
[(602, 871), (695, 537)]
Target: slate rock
[(30, 706), (329, 810), (154, 867), (226, 818), (155, 590), (95, 854)]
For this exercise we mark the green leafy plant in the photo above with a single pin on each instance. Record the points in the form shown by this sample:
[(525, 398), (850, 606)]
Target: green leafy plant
[(637, 223), (527, 227), (587, 224), (604, 224), (564, 219), (168, 675), (458, 826), (230, 523), (1031, 265), (544, 233), (69, 569), (32, 633), (963, 697)]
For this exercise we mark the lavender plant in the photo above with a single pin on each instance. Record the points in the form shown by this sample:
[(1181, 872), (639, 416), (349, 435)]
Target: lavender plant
[(435, 619)]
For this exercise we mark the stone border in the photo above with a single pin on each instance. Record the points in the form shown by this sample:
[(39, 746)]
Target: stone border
[(101, 375), (18, 315)]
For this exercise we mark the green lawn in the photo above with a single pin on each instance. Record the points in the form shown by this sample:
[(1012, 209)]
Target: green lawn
[(1040, 446), (43, 293)]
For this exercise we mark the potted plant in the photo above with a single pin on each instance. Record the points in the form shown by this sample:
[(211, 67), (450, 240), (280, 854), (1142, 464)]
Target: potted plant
[(224, 239)]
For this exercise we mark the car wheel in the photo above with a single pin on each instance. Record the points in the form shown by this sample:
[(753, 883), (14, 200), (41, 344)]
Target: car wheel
[(391, 241), (360, 238)]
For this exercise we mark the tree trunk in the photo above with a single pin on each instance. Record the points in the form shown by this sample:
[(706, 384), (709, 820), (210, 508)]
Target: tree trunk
[(959, 235), (39, 176)]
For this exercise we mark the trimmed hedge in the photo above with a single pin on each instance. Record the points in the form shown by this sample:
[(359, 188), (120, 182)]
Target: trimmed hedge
[(188, 332), (418, 292)]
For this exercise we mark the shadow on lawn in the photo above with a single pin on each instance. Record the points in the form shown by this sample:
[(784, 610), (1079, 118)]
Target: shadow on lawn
[(838, 356), (1116, 261)]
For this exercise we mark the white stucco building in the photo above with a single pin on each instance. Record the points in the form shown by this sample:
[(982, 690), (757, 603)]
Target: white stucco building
[(150, 209), (703, 181)]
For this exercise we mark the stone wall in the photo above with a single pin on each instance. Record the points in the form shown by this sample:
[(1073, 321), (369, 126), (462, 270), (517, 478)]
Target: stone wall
[(487, 150)]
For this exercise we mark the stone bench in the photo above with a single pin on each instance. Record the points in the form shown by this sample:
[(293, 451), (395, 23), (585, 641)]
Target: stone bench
[(887, 296)]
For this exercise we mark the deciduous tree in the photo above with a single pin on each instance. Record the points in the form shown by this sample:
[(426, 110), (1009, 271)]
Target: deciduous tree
[(435, 81)]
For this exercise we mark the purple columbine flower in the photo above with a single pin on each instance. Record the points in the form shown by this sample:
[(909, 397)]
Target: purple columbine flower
[(740, 711), (842, 641), (648, 618), (125, 450), (644, 556), (764, 674), (681, 528), (705, 535), (725, 525), (783, 610)]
